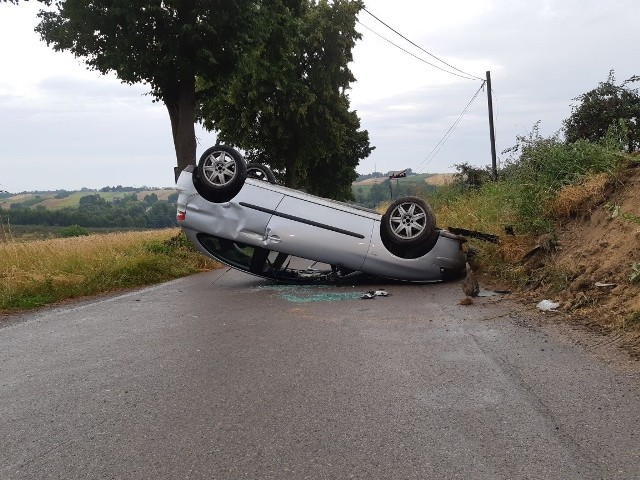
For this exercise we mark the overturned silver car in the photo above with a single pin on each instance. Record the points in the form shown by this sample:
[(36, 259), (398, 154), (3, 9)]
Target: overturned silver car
[(235, 213)]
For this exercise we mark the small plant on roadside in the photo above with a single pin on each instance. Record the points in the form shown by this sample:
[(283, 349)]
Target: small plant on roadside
[(614, 209), (470, 177), (631, 217), (616, 212), (634, 277), (632, 320), (538, 168)]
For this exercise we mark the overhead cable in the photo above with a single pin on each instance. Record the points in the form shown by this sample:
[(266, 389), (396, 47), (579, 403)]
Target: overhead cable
[(446, 136), (419, 47), (415, 56)]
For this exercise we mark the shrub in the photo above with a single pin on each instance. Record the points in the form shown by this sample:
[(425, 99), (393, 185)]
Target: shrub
[(73, 231)]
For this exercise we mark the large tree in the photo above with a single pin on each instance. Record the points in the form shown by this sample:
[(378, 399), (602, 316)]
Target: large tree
[(605, 106), (287, 101), (163, 44)]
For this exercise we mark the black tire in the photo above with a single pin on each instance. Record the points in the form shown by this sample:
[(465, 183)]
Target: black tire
[(221, 174), (408, 228), (260, 172)]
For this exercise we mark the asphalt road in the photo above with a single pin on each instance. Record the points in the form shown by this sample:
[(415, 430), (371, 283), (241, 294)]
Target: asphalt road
[(224, 376)]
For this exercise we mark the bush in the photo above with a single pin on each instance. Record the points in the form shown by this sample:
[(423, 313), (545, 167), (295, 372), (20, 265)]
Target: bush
[(469, 177), (73, 231)]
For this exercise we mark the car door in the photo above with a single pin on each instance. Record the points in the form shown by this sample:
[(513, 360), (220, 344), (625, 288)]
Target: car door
[(318, 229)]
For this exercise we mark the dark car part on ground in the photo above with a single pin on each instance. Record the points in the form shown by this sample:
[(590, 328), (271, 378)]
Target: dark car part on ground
[(487, 237)]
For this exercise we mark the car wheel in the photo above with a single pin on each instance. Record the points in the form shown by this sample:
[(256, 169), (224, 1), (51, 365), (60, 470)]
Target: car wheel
[(221, 173), (260, 172), (408, 228)]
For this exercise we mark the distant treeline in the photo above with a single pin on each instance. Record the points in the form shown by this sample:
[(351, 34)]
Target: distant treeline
[(94, 211), (366, 176), (373, 195), (61, 193)]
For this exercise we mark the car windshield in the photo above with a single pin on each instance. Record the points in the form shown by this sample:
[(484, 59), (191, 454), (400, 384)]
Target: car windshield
[(268, 263)]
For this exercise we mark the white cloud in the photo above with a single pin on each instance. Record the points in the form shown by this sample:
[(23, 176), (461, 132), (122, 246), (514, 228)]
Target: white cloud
[(541, 56), (63, 126)]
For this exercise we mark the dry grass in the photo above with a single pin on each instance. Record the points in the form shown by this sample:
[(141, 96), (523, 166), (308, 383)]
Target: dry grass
[(43, 271), (440, 179), (575, 199), (477, 211), (513, 249), (369, 181), (40, 253), (56, 255)]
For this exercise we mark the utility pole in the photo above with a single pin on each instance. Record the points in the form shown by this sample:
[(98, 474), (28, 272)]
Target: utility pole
[(494, 167)]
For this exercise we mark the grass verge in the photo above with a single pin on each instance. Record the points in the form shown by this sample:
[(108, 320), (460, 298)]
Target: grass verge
[(36, 273)]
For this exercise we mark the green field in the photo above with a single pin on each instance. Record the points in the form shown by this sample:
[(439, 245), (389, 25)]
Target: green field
[(49, 201)]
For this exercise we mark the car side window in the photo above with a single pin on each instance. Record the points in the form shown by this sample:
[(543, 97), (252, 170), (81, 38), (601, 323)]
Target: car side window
[(236, 254)]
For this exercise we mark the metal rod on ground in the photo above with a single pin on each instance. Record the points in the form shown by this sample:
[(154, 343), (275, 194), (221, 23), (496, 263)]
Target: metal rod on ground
[(494, 168)]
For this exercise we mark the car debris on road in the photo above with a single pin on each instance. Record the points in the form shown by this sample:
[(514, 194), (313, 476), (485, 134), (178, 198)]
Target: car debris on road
[(374, 294)]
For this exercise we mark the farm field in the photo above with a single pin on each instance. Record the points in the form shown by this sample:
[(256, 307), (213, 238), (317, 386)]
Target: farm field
[(437, 179), (55, 201)]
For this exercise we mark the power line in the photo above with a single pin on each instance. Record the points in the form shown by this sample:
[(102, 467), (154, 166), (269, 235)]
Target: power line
[(415, 56), (461, 74), (446, 136), (419, 47)]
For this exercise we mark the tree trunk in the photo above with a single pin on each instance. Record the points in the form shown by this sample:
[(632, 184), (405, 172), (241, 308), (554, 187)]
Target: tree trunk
[(290, 179), (182, 115)]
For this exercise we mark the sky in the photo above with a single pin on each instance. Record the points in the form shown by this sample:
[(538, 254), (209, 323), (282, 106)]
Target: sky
[(63, 126)]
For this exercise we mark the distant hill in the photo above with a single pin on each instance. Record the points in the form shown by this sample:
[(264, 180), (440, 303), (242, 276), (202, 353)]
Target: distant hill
[(54, 200), (437, 179), (371, 191), (57, 199)]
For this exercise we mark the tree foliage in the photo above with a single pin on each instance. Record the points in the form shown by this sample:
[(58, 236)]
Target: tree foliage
[(276, 68), (286, 104), (606, 106), (164, 45)]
